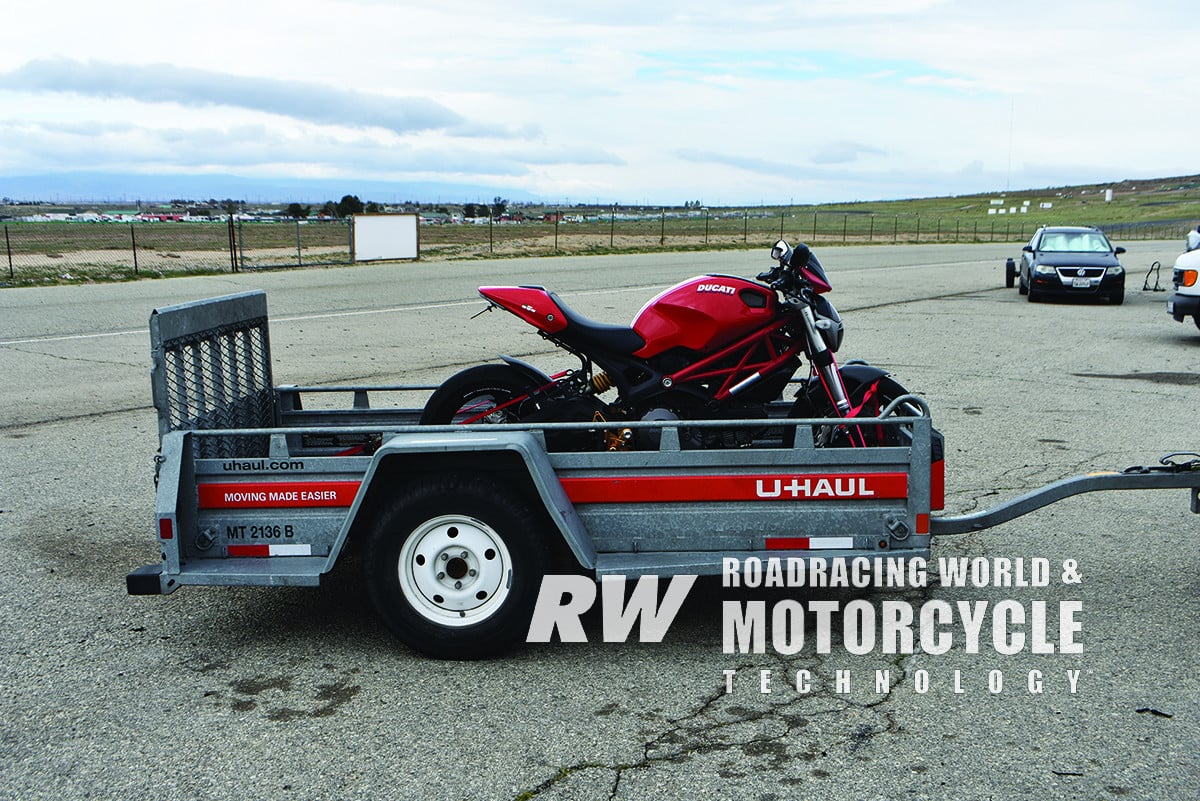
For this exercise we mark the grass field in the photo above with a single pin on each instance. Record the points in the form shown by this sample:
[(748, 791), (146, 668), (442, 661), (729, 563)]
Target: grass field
[(40, 253)]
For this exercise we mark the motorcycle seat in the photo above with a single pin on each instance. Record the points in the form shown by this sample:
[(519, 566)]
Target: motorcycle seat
[(613, 338)]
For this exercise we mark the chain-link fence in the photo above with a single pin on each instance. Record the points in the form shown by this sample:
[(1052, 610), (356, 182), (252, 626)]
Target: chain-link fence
[(57, 252), (53, 252)]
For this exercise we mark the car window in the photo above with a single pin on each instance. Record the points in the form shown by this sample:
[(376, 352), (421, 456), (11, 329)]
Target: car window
[(1055, 242), (1082, 242)]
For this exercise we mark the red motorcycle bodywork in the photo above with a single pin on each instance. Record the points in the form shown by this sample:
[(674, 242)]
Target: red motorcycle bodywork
[(703, 314), (532, 304)]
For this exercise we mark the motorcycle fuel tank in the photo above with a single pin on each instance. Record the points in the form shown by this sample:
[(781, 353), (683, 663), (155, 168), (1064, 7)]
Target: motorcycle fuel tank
[(702, 314)]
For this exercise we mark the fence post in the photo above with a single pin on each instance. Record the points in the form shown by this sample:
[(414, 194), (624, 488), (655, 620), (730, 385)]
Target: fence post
[(939, 230), (233, 263), (133, 244), (814, 236), (706, 225), (895, 229), (8, 247), (612, 225), (745, 225), (241, 247), (781, 213), (918, 239), (871, 231), (491, 245), (299, 257), (662, 228), (557, 214), (845, 222)]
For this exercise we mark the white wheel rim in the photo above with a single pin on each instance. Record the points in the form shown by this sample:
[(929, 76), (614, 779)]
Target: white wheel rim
[(455, 570)]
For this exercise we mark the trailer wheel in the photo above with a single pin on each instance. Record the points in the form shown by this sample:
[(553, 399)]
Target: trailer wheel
[(453, 567), (1010, 273)]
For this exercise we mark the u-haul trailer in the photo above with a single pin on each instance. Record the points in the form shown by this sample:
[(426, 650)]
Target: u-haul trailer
[(457, 525)]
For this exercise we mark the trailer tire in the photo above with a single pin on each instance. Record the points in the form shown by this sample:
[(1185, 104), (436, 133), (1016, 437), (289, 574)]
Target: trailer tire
[(453, 567), (1010, 273)]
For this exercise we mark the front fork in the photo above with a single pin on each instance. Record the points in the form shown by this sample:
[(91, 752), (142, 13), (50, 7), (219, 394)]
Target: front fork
[(822, 358)]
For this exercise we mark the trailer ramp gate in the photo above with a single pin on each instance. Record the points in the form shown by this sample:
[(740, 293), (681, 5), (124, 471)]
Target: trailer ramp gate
[(211, 369)]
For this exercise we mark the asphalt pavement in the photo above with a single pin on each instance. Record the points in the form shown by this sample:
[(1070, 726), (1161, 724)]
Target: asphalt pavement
[(297, 693)]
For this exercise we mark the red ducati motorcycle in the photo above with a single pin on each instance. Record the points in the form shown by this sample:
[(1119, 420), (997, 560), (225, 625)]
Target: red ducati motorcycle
[(711, 347)]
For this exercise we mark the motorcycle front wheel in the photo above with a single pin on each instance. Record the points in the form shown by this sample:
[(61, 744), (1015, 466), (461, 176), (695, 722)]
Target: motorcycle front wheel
[(813, 403)]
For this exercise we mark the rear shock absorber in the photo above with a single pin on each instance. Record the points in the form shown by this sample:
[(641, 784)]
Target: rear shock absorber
[(601, 383)]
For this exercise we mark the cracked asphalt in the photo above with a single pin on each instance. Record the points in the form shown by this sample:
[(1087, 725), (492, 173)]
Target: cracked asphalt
[(301, 693)]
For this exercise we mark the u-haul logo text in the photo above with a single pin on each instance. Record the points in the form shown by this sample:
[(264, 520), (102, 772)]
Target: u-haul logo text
[(852, 487), (721, 288)]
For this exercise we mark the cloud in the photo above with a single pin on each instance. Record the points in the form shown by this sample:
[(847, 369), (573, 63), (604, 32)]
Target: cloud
[(844, 152), (312, 102), (746, 163)]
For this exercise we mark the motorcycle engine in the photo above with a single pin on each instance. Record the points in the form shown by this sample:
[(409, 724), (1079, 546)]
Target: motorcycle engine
[(706, 437)]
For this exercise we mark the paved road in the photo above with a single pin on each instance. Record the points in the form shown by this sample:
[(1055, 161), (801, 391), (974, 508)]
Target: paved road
[(300, 693)]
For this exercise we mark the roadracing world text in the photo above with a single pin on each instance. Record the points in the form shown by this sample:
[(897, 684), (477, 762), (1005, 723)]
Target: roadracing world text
[(857, 627)]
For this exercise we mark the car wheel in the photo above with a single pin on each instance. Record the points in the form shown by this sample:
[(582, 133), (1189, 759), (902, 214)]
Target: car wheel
[(1196, 319), (1117, 297), (1034, 295), (1022, 287)]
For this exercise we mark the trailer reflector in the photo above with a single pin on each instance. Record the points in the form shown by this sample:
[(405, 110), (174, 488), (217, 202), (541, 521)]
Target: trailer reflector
[(810, 543), (165, 530), (269, 550)]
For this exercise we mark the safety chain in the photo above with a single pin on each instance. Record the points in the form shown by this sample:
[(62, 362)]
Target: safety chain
[(1169, 464)]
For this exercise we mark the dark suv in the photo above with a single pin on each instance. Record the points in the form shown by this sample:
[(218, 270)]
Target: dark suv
[(1070, 261)]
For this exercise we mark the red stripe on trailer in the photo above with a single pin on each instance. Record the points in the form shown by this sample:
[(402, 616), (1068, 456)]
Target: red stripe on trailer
[(754, 487), (277, 494), (787, 543), (248, 550)]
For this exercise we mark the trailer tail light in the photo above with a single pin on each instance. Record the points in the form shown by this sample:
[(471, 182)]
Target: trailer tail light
[(937, 485), (166, 530)]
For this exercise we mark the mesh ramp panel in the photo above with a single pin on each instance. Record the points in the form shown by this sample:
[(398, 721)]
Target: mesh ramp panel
[(212, 370)]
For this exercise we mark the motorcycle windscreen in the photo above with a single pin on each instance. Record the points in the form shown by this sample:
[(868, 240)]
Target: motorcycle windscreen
[(814, 273)]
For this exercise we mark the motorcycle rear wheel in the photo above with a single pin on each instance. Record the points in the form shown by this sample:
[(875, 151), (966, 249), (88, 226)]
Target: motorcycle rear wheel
[(477, 394)]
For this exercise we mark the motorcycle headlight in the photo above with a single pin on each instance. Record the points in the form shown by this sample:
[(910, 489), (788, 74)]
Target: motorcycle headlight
[(831, 333)]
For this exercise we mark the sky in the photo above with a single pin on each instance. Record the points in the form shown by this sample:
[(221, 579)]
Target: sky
[(655, 103)]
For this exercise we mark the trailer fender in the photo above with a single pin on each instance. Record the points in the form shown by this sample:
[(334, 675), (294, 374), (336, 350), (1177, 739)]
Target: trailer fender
[(515, 455)]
